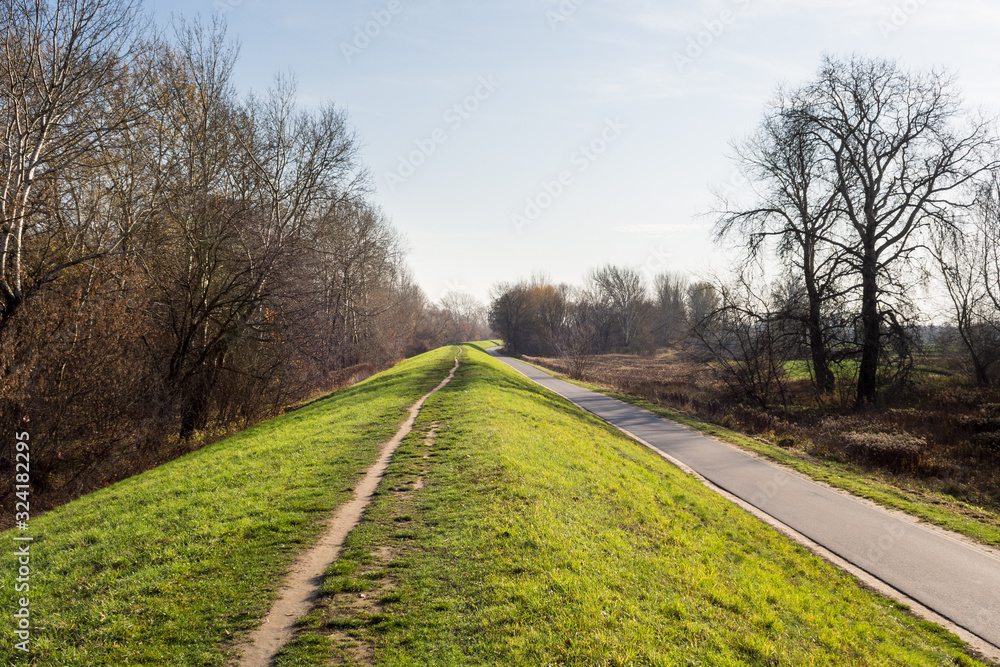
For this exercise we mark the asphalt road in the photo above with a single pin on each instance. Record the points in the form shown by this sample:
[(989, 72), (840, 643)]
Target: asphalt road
[(953, 579)]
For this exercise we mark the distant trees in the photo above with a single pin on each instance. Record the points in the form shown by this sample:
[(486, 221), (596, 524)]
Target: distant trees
[(458, 316), (624, 291), (467, 314), (850, 173), (529, 315), (611, 312), (970, 271), (703, 305), (670, 316)]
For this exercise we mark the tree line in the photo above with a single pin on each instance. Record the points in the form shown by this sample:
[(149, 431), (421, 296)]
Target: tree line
[(174, 254), (615, 310), (865, 189)]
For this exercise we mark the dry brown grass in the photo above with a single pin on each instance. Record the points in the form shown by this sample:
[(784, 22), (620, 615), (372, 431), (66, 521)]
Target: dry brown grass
[(940, 434)]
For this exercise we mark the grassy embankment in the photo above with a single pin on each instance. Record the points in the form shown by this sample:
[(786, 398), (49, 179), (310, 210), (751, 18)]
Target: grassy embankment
[(889, 491), (525, 532), (173, 565)]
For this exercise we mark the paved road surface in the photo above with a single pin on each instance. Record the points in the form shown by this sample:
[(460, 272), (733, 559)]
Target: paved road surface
[(953, 579)]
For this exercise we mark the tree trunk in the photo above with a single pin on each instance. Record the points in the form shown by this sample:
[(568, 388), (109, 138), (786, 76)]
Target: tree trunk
[(193, 413), (982, 376), (11, 304), (871, 340), (825, 380)]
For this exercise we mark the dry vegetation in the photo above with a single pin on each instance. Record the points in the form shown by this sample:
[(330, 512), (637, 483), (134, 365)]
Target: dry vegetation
[(940, 433)]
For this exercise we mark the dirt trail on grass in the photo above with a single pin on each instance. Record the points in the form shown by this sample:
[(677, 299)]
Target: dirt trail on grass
[(302, 583)]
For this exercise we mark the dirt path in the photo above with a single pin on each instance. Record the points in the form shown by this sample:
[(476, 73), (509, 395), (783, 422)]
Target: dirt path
[(304, 578)]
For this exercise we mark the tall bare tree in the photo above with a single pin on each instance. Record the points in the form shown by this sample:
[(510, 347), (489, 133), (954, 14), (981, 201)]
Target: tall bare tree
[(796, 206), (901, 148), (65, 67)]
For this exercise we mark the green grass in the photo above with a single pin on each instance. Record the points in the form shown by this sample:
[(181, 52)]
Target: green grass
[(928, 366), (531, 533), (801, 369), (172, 566), (939, 509)]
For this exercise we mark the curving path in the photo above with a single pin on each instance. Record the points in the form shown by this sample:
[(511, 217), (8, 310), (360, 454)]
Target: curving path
[(953, 579), (302, 583)]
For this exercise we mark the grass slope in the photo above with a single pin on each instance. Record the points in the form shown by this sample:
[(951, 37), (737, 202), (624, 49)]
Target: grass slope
[(171, 566), (942, 510), (529, 533)]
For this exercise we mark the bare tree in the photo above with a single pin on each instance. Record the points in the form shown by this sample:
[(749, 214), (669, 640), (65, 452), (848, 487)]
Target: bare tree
[(359, 258), (749, 342), (581, 337), (297, 165), (795, 205), (65, 67), (468, 314), (670, 291), (625, 290), (969, 268), (900, 148)]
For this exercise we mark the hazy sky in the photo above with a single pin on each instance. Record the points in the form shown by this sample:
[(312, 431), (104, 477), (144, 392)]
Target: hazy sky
[(515, 136)]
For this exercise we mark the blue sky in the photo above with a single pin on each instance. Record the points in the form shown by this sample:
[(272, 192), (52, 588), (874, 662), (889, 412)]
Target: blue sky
[(517, 136)]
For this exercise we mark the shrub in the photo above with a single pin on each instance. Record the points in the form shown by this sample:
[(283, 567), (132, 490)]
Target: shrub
[(987, 444), (893, 450), (978, 423)]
